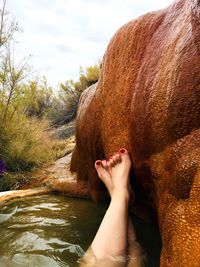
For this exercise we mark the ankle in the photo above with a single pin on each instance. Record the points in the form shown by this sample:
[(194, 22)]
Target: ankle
[(122, 193)]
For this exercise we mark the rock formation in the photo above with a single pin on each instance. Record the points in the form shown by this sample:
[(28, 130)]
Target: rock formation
[(148, 100)]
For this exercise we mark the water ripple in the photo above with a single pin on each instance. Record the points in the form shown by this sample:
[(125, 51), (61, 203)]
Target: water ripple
[(6, 216), (46, 231)]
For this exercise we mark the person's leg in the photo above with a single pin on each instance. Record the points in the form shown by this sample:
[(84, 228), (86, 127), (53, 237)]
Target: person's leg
[(110, 242), (111, 237), (137, 257), (135, 251)]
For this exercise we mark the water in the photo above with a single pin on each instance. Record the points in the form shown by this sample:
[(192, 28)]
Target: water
[(47, 230), (53, 230)]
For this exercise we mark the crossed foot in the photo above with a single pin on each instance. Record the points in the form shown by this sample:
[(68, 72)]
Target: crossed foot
[(114, 172)]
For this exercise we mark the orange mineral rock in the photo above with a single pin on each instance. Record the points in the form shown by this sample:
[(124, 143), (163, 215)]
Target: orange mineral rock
[(148, 100)]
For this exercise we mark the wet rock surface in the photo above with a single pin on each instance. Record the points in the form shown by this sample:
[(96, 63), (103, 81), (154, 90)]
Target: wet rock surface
[(147, 100)]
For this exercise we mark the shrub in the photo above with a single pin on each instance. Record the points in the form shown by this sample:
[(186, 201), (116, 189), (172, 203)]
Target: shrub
[(10, 181), (65, 104), (37, 97), (63, 108), (24, 143)]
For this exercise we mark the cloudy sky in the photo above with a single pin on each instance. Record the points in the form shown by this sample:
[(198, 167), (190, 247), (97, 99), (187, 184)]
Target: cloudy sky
[(62, 35)]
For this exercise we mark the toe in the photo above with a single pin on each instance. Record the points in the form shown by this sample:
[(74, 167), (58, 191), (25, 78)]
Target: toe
[(98, 164), (117, 157), (124, 154), (104, 164), (103, 173), (125, 157), (111, 162), (123, 151)]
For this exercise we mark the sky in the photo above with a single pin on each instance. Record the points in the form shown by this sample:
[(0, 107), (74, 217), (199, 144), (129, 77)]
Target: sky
[(62, 35)]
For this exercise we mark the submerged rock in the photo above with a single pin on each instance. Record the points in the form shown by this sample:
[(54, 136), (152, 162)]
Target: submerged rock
[(148, 100)]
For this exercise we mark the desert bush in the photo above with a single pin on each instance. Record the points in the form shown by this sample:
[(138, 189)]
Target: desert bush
[(25, 143), (63, 108), (64, 105), (87, 76), (13, 181), (37, 97)]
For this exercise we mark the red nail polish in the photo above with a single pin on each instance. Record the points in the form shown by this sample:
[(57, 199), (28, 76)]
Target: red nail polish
[(98, 162), (122, 150)]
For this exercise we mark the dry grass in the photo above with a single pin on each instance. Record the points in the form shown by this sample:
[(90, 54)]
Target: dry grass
[(25, 143), (62, 148), (27, 148)]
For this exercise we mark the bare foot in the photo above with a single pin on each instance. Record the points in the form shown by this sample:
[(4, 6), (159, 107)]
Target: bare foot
[(115, 172), (119, 166), (104, 174)]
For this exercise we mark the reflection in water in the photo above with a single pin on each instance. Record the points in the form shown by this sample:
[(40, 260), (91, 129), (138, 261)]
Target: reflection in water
[(6, 216), (47, 231), (55, 231)]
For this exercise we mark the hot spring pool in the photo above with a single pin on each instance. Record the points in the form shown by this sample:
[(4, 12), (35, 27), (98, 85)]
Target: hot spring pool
[(53, 230)]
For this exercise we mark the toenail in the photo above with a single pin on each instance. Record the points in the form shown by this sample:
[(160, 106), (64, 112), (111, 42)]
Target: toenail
[(122, 150), (98, 162)]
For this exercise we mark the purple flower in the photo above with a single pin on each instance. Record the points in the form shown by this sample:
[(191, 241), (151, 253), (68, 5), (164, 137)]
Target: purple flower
[(2, 167)]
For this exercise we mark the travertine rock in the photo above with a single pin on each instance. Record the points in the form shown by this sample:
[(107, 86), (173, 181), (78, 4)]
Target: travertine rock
[(148, 100)]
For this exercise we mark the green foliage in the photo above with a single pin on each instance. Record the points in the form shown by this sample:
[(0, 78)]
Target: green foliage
[(87, 76), (24, 143), (24, 140), (12, 181), (64, 105), (37, 98), (63, 108), (28, 106)]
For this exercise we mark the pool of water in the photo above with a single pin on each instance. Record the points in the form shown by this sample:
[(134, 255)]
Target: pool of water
[(52, 230)]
